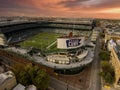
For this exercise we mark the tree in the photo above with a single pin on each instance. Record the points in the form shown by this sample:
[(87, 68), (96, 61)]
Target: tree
[(29, 74), (107, 73), (105, 55)]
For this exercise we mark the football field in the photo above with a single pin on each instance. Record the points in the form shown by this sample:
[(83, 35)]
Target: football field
[(41, 41)]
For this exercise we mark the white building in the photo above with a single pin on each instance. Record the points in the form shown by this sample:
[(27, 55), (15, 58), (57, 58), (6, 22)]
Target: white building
[(111, 44)]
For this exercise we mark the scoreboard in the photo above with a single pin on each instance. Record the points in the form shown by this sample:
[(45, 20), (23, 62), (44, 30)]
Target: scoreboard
[(70, 43), (73, 42)]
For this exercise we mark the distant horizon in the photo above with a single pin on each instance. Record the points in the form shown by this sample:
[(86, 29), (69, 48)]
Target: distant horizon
[(104, 9), (62, 17)]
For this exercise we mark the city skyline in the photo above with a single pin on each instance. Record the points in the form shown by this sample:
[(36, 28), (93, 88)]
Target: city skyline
[(61, 8)]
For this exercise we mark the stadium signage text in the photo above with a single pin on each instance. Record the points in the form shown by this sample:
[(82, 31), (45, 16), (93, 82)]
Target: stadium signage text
[(73, 42)]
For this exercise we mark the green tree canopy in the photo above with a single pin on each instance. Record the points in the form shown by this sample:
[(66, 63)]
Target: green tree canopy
[(29, 74), (107, 73), (105, 55)]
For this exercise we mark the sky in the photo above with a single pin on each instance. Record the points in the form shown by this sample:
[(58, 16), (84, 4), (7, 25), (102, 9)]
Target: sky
[(61, 8)]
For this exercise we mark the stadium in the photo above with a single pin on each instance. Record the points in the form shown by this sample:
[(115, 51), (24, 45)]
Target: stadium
[(64, 43)]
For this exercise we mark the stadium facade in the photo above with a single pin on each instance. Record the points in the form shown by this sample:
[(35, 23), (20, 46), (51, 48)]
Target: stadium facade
[(77, 55)]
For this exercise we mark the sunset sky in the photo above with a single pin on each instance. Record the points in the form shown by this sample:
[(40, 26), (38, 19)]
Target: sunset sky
[(61, 8)]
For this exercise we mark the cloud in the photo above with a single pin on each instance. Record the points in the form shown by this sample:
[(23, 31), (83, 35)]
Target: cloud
[(60, 8), (71, 3), (90, 4)]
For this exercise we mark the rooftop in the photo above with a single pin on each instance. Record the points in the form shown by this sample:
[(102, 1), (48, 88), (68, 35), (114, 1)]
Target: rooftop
[(19, 87), (5, 76), (22, 87)]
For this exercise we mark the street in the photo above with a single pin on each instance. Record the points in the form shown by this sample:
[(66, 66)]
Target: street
[(95, 83), (59, 85)]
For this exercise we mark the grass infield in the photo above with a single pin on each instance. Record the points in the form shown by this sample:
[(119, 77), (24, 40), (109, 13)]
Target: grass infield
[(42, 41)]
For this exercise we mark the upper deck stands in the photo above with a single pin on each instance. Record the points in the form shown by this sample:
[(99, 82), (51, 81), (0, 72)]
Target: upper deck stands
[(59, 24), (17, 26)]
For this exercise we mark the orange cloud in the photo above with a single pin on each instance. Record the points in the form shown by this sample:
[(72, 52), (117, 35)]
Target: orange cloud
[(61, 8)]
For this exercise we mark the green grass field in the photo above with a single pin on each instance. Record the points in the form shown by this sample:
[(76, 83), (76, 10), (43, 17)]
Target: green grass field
[(41, 41)]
